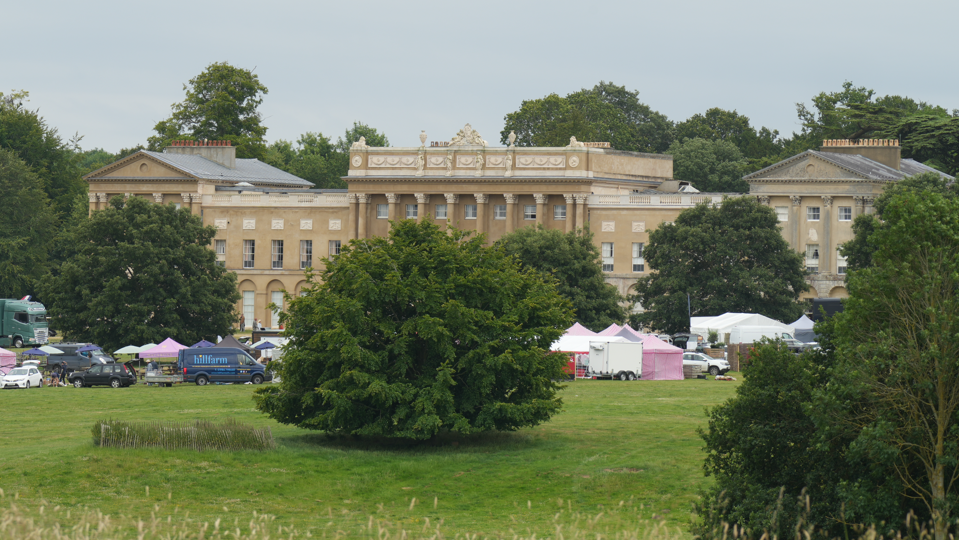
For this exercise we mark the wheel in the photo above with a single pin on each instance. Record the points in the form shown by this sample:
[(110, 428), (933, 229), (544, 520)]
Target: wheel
[(78, 383), (714, 371), (623, 376), (168, 385), (202, 380), (28, 385), (115, 383), (632, 376), (18, 342), (257, 379)]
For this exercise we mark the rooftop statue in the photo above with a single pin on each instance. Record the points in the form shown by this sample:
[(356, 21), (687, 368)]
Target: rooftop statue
[(467, 136)]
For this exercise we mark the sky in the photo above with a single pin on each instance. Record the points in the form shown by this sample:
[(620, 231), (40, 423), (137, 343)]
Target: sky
[(110, 70)]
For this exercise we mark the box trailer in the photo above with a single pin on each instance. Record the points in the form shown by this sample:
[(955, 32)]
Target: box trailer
[(615, 360)]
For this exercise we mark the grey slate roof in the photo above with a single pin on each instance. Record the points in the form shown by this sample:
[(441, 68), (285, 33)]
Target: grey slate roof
[(911, 167), (253, 171), (858, 164)]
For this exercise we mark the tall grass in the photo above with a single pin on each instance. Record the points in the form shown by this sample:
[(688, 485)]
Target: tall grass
[(200, 435)]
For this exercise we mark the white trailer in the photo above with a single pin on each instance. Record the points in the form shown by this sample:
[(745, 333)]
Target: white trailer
[(621, 360)]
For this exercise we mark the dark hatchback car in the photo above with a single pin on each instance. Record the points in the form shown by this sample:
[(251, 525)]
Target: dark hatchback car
[(115, 375)]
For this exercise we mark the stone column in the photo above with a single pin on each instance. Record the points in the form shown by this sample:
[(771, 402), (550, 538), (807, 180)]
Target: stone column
[(826, 248), (540, 207), (93, 202), (197, 200), (451, 200), (361, 218), (570, 212), (186, 202), (421, 200), (510, 212), (481, 200), (794, 222), (104, 202), (867, 204), (351, 220), (393, 199), (763, 200), (158, 198), (581, 211), (857, 206)]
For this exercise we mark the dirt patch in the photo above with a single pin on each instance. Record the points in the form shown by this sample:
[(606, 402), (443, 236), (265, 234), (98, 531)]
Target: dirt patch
[(628, 470)]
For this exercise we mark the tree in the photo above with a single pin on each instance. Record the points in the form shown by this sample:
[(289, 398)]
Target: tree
[(141, 272), (898, 386), (722, 125), (220, 104), (318, 160), (718, 259), (574, 261), (27, 227), (423, 332), (604, 113), (711, 166)]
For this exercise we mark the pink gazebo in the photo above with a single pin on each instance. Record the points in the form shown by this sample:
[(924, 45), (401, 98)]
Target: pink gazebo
[(168, 348), (611, 330), (8, 360), (661, 361), (579, 330)]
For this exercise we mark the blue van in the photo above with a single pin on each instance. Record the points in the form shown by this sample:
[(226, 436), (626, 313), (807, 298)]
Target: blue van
[(220, 364)]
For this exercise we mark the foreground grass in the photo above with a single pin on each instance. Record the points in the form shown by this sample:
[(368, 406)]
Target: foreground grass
[(630, 443)]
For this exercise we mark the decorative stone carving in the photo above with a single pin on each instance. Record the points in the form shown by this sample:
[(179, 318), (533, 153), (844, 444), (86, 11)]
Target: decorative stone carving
[(249, 224), (813, 235), (126, 196), (609, 226), (826, 201), (103, 197), (196, 197), (423, 138), (277, 224), (512, 138), (510, 198), (363, 198), (495, 161), (360, 144), (351, 198), (639, 226), (392, 161), (796, 199), (569, 198), (465, 161), (868, 201), (420, 162), (574, 161), (540, 198), (157, 197), (92, 197), (422, 198), (336, 225), (392, 198), (451, 198), (436, 161), (509, 165), (186, 197), (306, 224), (449, 163), (859, 200), (573, 143), (220, 223), (541, 161), (763, 199), (481, 198), (467, 137), (581, 198), (479, 164), (357, 161)]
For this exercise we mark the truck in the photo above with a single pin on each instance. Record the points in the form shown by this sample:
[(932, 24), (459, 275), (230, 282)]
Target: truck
[(22, 322), (752, 334), (621, 360)]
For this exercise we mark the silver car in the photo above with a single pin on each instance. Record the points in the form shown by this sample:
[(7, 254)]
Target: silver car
[(716, 366)]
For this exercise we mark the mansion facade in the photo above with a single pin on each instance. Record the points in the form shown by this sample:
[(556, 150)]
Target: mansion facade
[(272, 225)]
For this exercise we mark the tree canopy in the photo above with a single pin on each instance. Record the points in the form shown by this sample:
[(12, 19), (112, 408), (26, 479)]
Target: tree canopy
[(727, 258), (420, 333), (710, 165), (729, 126), (220, 104), (138, 273), (316, 159), (571, 258)]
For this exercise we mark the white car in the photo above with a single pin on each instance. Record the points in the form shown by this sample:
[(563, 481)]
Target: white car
[(22, 377), (716, 366)]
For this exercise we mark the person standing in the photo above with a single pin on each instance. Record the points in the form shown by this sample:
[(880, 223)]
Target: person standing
[(242, 322)]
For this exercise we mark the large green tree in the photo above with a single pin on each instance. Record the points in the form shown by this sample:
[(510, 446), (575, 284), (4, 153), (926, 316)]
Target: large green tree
[(714, 260), (571, 258), (138, 273), (721, 125), (221, 104), (316, 159), (420, 333), (710, 165), (27, 227), (606, 112)]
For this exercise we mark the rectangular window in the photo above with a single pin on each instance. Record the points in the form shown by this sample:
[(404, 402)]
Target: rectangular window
[(220, 246), (529, 211), (840, 264), (469, 211), (334, 247), (812, 258), (249, 252), (499, 211), (412, 210), (248, 298), (306, 254), (277, 254), (782, 212), (440, 211), (812, 213), (276, 297), (607, 256), (559, 212), (845, 213), (382, 211), (639, 264)]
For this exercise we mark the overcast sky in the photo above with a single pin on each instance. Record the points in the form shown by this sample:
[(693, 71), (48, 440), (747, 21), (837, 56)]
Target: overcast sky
[(110, 70)]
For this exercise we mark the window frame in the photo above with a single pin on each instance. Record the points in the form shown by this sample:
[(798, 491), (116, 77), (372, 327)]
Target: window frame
[(844, 210), (639, 257), (412, 211), (249, 255), (436, 211), (338, 247), (557, 215), (470, 209), (529, 212), (306, 255), (813, 210), (276, 255), (611, 257), (386, 211), (499, 211)]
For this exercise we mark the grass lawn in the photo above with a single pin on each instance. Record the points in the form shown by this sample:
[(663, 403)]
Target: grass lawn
[(615, 441)]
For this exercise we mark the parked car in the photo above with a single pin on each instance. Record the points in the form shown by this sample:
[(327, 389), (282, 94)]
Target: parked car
[(115, 375), (688, 342), (692, 359), (23, 377), (220, 364), (715, 366), (77, 359)]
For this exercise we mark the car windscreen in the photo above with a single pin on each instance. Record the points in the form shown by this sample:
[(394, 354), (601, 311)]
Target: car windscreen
[(19, 371)]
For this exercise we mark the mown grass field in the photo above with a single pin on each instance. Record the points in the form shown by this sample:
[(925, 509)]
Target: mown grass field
[(629, 442)]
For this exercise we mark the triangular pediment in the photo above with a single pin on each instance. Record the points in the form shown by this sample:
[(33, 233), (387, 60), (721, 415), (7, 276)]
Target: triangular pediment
[(138, 165), (806, 166)]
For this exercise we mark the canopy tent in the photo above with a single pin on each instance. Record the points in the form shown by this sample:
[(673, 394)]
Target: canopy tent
[(579, 330), (580, 344), (8, 361), (202, 344), (661, 361), (804, 331), (263, 344), (35, 352), (724, 323), (87, 348), (50, 350), (230, 341), (129, 349), (147, 347), (629, 334), (611, 330), (168, 348)]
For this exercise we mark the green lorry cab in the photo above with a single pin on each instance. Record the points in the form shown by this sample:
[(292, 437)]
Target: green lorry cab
[(22, 322)]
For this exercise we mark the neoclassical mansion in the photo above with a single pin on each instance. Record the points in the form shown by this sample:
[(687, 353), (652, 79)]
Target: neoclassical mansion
[(272, 225)]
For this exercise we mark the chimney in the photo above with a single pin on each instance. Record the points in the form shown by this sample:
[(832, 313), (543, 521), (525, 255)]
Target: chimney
[(885, 151), (221, 152)]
